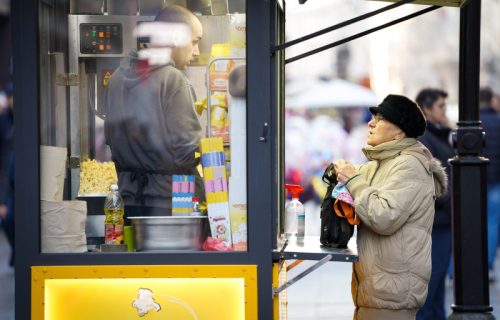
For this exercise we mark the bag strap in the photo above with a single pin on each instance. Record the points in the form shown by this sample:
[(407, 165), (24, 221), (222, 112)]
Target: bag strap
[(346, 211), (329, 177)]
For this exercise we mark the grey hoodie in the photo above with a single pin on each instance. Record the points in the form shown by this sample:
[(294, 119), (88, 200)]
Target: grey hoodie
[(394, 199), (152, 129)]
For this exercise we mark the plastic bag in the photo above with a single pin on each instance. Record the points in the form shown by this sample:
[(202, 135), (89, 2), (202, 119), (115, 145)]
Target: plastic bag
[(212, 244)]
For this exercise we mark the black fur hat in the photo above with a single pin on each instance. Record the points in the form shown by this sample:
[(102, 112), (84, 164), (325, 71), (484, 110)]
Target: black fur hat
[(402, 112)]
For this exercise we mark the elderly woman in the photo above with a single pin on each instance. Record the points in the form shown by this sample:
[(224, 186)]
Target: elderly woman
[(394, 197)]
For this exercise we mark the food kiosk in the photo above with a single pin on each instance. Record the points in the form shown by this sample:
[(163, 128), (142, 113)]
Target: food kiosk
[(64, 55)]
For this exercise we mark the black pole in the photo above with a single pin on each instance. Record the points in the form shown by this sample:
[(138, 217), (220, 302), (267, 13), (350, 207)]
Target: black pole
[(361, 34), (470, 259), (340, 25)]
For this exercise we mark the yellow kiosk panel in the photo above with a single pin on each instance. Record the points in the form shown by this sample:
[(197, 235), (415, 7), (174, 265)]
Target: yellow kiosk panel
[(144, 292)]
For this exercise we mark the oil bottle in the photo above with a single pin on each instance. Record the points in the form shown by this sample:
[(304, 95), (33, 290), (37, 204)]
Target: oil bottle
[(114, 210)]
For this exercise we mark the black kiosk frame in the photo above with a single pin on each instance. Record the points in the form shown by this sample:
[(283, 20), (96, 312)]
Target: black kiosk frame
[(265, 149)]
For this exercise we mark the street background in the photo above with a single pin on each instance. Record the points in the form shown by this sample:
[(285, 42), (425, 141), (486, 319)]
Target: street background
[(402, 59)]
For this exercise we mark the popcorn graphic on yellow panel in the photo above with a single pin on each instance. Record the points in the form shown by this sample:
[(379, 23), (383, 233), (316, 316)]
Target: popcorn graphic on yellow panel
[(145, 302)]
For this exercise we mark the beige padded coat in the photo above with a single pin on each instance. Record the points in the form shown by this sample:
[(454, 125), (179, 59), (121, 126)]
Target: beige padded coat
[(394, 198)]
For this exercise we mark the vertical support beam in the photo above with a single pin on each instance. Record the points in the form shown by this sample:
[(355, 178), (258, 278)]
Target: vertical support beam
[(471, 288), (24, 15), (261, 179)]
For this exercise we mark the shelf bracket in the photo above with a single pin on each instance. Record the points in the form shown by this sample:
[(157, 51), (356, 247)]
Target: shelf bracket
[(301, 275)]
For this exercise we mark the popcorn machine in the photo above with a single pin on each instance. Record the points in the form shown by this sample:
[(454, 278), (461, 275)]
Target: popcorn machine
[(96, 45), (98, 38)]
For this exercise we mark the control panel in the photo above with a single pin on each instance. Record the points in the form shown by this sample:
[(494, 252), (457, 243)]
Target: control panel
[(101, 38)]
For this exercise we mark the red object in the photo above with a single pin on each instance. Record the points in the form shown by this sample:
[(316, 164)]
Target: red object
[(212, 244), (295, 189)]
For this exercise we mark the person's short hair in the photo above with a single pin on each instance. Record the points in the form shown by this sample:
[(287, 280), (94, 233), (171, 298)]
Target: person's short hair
[(175, 13), (485, 96), (428, 96)]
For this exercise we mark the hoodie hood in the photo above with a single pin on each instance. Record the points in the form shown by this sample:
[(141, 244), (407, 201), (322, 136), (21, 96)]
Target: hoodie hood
[(410, 146), (134, 71)]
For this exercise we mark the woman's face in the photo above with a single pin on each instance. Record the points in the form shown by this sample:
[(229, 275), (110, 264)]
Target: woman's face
[(381, 130)]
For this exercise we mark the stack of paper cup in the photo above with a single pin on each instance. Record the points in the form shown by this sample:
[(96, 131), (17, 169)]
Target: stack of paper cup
[(216, 189), (52, 167)]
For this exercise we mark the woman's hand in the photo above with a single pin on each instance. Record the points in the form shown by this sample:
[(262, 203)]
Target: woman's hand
[(344, 170)]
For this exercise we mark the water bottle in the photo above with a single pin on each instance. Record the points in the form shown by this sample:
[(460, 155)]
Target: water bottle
[(114, 210)]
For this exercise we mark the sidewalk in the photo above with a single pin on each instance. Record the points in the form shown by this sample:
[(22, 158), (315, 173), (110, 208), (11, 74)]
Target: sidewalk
[(6, 281), (326, 293)]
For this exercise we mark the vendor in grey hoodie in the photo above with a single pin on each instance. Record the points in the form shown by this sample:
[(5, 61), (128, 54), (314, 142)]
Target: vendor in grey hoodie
[(151, 124), (394, 196)]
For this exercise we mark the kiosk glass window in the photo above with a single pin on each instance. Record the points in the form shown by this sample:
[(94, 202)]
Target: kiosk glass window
[(152, 100)]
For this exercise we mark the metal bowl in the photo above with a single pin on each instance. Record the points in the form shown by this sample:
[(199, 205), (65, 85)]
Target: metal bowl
[(169, 232)]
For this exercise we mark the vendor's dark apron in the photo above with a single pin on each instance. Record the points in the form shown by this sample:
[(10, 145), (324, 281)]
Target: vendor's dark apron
[(140, 177)]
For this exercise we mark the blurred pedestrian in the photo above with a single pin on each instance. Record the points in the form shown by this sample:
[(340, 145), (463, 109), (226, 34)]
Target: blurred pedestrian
[(487, 94), (7, 169), (490, 120), (394, 198), (437, 140)]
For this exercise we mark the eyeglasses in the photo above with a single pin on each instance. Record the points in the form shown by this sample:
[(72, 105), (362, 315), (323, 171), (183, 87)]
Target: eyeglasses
[(376, 118)]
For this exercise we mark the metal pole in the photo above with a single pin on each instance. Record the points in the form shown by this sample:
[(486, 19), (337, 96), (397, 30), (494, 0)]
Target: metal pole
[(471, 288), (340, 25), (361, 34), (302, 274)]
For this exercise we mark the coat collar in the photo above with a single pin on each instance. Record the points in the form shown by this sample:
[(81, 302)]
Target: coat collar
[(388, 149)]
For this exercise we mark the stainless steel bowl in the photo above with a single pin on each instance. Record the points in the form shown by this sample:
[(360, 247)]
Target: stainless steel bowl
[(169, 232)]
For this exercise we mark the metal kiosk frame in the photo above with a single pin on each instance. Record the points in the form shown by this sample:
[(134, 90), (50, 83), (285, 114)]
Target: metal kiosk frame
[(265, 149)]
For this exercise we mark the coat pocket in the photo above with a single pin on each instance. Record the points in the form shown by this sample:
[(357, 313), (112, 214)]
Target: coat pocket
[(392, 283)]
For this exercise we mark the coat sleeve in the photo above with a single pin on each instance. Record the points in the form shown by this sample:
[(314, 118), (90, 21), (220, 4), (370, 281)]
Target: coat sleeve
[(386, 208), (184, 127)]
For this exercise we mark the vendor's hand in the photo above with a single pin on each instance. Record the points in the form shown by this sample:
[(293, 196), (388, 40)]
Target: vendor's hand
[(344, 170)]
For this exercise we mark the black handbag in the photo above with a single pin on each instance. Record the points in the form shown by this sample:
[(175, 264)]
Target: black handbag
[(335, 231)]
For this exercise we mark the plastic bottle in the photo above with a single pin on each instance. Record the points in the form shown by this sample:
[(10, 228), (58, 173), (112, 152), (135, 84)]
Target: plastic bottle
[(114, 210), (196, 207), (295, 213)]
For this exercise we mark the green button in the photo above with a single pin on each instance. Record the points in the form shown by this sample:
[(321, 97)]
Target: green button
[(94, 33)]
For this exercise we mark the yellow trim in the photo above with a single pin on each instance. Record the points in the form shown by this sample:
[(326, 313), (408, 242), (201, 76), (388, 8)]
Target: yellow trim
[(276, 298), (280, 301), (41, 273)]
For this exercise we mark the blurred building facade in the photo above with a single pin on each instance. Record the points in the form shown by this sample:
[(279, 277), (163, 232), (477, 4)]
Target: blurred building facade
[(420, 52)]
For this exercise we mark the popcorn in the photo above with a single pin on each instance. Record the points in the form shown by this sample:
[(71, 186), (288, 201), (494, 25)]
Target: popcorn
[(96, 177)]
